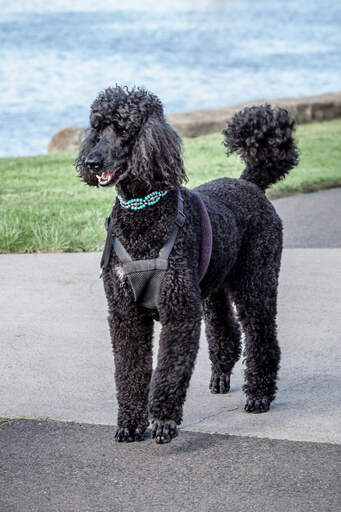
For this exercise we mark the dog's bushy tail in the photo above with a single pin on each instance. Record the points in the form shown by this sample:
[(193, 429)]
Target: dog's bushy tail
[(263, 137)]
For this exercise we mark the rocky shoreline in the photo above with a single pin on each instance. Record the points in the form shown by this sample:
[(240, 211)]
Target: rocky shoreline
[(323, 107)]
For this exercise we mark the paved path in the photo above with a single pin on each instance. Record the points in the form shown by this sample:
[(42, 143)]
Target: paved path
[(311, 220), (57, 359), (56, 362), (59, 467)]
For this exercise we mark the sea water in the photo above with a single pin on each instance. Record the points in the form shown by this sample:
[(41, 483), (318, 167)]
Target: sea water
[(56, 56)]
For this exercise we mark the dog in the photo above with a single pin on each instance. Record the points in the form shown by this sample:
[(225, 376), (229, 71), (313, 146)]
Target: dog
[(130, 145)]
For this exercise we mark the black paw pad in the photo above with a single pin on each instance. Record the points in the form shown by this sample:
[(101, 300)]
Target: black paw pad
[(164, 431), (128, 435), (220, 384), (256, 405)]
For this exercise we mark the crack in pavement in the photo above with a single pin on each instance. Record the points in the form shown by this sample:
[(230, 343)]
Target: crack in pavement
[(224, 409)]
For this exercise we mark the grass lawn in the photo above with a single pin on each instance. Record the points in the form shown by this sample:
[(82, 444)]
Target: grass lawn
[(44, 206)]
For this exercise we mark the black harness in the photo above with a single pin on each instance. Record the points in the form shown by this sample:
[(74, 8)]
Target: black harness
[(145, 276)]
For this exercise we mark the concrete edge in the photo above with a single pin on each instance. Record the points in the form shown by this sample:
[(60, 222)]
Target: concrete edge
[(148, 430), (323, 107)]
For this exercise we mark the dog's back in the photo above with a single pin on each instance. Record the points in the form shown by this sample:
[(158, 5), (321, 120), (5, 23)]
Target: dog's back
[(240, 214), (243, 219)]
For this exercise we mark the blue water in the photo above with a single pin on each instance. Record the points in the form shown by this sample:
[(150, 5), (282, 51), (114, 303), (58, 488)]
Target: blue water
[(55, 59)]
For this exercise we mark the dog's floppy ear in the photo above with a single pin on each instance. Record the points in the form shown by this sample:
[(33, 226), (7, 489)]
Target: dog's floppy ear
[(87, 144), (156, 154)]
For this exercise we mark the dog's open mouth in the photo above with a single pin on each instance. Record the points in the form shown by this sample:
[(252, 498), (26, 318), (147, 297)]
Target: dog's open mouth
[(105, 178)]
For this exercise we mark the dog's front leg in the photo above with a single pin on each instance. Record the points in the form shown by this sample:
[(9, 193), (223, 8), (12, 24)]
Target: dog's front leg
[(179, 342), (131, 336)]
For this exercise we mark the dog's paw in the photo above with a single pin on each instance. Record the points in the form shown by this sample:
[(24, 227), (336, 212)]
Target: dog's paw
[(220, 383), (128, 435), (164, 431), (256, 405)]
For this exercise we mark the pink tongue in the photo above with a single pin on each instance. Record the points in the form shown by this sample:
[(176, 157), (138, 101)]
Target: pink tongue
[(106, 175)]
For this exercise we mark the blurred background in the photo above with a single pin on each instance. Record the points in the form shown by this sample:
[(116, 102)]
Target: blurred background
[(56, 56)]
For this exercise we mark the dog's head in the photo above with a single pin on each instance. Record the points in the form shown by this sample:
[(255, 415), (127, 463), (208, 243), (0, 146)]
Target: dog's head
[(129, 143)]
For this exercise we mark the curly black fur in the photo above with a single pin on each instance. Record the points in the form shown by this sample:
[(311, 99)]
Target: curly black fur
[(130, 137), (143, 148), (263, 137)]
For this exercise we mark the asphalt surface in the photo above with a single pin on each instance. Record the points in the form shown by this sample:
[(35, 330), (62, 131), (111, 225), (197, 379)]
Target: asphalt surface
[(57, 363), (80, 468)]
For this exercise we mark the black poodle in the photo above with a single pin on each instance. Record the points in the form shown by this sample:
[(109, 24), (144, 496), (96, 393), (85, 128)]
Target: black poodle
[(130, 144)]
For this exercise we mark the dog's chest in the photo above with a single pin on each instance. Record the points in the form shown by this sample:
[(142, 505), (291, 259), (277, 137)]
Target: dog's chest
[(138, 254)]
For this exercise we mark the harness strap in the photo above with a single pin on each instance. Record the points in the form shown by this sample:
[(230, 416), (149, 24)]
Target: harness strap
[(161, 262), (105, 260), (146, 276), (121, 253), (124, 257), (206, 234), (179, 222), (165, 250)]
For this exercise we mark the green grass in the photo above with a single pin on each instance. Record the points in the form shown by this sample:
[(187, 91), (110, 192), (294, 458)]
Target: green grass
[(44, 206)]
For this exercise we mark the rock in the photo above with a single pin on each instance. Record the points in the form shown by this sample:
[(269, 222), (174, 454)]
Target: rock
[(323, 107), (66, 139)]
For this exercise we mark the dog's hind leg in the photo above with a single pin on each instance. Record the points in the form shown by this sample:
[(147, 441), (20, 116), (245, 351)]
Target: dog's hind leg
[(131, 336), (256, 300), (223, 337)]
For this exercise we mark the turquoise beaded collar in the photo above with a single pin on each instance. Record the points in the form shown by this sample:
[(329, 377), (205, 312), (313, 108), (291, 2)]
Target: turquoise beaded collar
[(138, 203)]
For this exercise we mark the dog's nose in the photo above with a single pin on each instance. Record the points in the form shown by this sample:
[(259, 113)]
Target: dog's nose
[(94, 160)]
